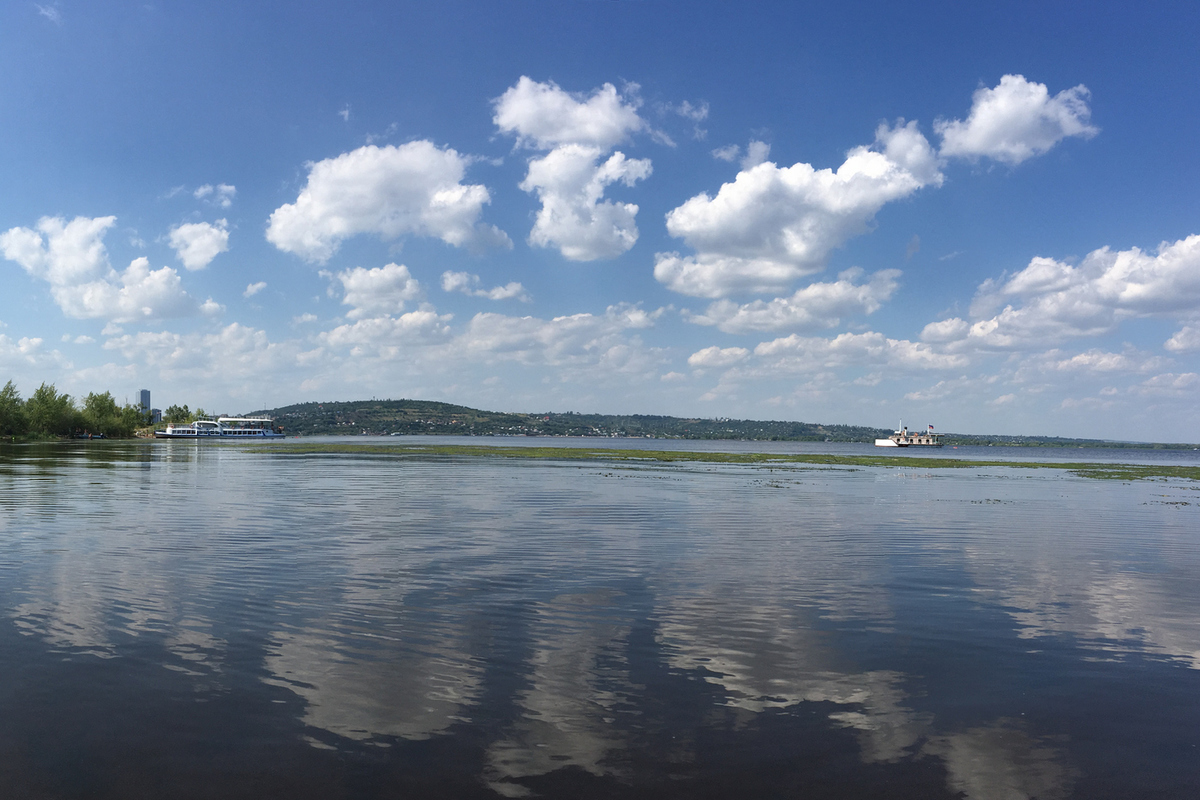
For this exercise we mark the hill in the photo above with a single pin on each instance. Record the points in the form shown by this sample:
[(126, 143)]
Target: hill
[(382, 417)]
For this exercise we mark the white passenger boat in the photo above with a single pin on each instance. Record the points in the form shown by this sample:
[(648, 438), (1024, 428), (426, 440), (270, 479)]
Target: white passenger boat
[(223, 428), (903, 438)]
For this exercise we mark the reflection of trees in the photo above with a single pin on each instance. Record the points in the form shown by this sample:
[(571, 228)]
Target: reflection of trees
[(578, 681)]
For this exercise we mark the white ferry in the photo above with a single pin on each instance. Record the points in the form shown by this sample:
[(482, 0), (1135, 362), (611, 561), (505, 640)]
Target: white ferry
[(223, 428), (902, 438)]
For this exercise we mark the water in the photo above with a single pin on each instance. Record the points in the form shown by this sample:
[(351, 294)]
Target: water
[(201, 621)]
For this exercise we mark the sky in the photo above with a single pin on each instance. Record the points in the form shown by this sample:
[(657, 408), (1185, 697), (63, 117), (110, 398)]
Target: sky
[(982, 219)]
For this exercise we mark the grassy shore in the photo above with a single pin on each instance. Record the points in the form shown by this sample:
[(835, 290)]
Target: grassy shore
[(1105, 471)]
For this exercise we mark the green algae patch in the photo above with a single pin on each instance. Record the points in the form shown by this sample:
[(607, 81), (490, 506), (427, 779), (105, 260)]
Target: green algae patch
[(1100, 470)]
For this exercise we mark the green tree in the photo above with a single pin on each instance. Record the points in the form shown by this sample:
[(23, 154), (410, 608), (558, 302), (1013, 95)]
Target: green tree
[(132, 418), (101, 414), (50, 412), (177, 414), (12, 412)]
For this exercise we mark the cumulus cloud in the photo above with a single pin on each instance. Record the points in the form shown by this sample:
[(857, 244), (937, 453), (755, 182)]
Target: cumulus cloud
[(390, 191), (1016, 120), (254, 288), (581, 341), (220, 195), (544, 116), (1183, 384), (1098, 361), (196, 244), (469, 284), (717, 357), (570, 180), (818, 305), (772, 224), (240, 357), (23, 352), (71, 257), (756, 153), (381, 290), (389, 336), (807, 354), (1185, 340), (574, 217), (1051, 300)]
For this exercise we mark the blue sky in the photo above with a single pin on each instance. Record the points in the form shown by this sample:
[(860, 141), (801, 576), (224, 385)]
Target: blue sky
[(986, 220)]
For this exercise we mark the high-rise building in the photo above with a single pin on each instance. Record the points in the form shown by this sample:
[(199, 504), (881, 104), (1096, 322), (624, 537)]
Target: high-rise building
[(145, 395)]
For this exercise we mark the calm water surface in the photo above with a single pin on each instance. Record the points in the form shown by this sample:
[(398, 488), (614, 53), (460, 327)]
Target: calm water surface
[(184, 620)]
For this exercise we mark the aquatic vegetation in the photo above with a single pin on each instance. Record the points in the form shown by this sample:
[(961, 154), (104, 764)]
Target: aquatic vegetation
[(1098, 470)]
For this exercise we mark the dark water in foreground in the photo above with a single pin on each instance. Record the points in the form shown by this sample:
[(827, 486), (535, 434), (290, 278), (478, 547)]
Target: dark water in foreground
[(201, 622)]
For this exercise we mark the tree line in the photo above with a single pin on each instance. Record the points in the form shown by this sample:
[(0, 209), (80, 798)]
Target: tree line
[(49, 413)]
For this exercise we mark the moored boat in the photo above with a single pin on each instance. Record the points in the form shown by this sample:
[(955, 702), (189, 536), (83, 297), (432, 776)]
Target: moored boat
[(903, 438), (222, 428)]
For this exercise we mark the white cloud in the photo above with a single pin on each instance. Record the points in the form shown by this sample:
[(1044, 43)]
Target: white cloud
[(138, 293), (717, 357), (571, 179), (729, 152), (221, 195), (378, 291), (51, 12), (580, 341), (71, 257), (544, 116), (468, 284), (818, 305), (1172, 384), (197, 243), (1185, 340), (1016, 120), (58, 251), (807, 354), (22, 352), (773, 225), (573, 217), (235, 359), (254, 288), (389, 191), (306, 317), (1052, 300), (388, 336), (756, 153), (695, 113), (1102, 361)]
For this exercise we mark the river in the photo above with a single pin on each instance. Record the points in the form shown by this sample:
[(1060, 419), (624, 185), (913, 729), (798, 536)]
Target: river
[(202, 620)]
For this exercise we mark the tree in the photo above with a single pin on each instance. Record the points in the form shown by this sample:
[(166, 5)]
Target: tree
[(101, 414), (177, 414), (50, 412), (12, 412)]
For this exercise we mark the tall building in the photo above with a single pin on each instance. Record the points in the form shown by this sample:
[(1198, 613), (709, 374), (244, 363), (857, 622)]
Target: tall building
[(145, 394)]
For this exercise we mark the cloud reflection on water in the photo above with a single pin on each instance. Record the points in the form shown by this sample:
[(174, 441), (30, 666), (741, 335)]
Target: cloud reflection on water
[(397, 598)]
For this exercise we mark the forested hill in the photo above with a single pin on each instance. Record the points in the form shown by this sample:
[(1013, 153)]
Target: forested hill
[(418, 416)]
